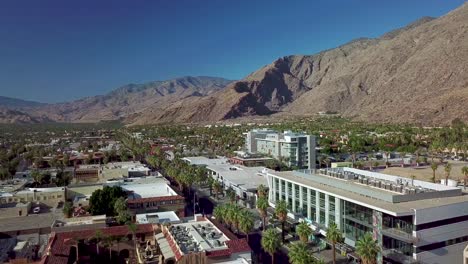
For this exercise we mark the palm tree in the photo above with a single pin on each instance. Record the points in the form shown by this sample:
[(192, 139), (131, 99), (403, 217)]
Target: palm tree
[(219, 213), (281, 212), (434, 167), (270, 242), (262, 207), (133, 229), (234, 215), (367, 249), (304, 231), (447, 169), (109, 242), (217, 188), (246, 223), (262, 190), (299, 254), (464, 171), (334, 236), (231, 194), (97, 238)]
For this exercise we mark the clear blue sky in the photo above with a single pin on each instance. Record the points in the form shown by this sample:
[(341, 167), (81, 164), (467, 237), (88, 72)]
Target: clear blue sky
[(59, 50)]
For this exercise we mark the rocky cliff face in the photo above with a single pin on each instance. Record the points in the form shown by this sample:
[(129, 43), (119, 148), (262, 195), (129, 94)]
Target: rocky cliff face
[(415, 74)]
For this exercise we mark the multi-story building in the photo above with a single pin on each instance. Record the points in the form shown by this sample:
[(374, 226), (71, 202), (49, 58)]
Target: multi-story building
[(295, 149), (413, 221)]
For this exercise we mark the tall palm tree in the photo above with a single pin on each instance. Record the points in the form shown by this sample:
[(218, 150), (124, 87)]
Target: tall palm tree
[(262, 207), (271, 242), (447, 169), (367, 249), (246, 223), (464, 171), (334, 236), (97, 239), (132, 227), (109, 242), (434, 167), (304, 231), (281, 211), (262, 190), (299, 254), (219, 213), (217, 188)]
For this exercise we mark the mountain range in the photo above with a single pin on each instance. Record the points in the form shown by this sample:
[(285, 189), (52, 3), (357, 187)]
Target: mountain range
[(416, 74)]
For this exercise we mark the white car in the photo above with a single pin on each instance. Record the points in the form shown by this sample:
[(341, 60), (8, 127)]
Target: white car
[(36, 210)]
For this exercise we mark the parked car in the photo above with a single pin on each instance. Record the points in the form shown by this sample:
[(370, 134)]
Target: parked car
[(36, 210)]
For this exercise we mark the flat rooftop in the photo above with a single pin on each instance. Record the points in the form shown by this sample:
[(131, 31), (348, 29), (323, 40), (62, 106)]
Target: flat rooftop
[(201, 160), (34, 221), (247, 178), (336, 187), (197, 237), (157, 218), (149, 190)]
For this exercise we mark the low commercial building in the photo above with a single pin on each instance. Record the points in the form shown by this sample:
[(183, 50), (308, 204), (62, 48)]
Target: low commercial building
[(48, 196), (158, 218), (62, 246), (201, 241), (8, 210), (243, 180), (413, 221), (153, 194)]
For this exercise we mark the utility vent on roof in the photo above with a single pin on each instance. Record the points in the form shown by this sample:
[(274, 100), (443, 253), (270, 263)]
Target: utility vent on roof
[(233, 168)]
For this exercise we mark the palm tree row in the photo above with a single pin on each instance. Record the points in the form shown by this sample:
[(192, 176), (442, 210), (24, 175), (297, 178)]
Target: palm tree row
[(236, 217)]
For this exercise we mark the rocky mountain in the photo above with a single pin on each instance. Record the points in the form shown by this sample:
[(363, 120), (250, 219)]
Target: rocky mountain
[(132, 99), (9, 116), (416, 74), (13, 103)]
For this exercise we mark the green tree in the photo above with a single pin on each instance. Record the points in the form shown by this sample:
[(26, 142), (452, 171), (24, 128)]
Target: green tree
[(102, 201), (67, 209), (304, 231), (434, 167), (281, 212), (217, 188), (120, 208), (262, 207), (231, 194), (367, 249), (219, 213), (97, 239), (262, 191), (334, 236), (447, 169), (464, 171), (246, 223), (271, 242), (37, 176), (299, 254)]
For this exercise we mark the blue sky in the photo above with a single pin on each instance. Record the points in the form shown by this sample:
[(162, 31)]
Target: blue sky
[(55, 50)]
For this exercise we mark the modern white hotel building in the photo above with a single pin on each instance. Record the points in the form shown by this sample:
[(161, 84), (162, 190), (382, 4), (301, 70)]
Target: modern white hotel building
[(413, 221), (296, 149)]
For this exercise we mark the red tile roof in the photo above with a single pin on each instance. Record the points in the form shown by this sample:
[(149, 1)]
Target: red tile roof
[(238, 245), (156, 199), (59, 244)]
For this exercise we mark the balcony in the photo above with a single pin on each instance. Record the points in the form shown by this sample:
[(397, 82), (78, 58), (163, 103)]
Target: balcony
[(397, 256), (399, 234)]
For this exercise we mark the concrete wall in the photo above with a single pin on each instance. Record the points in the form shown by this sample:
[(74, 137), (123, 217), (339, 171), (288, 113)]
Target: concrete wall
[(8, 212), (447, 255), (441, 212), (442, 233)]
